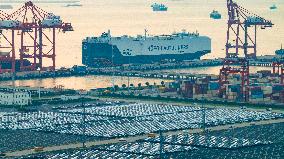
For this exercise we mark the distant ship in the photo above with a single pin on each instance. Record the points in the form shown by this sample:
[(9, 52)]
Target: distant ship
[(6, 6), (273, 7), (215, 15), (73, 5), (98, 51), (280, 52), (159, 7)]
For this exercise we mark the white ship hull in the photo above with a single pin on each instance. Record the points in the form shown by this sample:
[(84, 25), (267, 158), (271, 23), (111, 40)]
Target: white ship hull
[(144, 50)]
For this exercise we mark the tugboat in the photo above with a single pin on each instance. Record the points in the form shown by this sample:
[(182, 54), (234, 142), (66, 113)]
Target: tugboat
[(73, 5), (6, 6), (159, 7), (280, 52), (215, 15), (273, 7)]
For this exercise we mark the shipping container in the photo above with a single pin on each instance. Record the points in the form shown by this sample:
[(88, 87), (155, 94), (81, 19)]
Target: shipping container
[(264, 73), (200, 88), (276, 88), (233, 88), (214, 85), (255, 90), (257, 96)]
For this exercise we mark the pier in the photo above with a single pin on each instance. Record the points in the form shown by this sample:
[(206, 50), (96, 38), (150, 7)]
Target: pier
[(133, 70)]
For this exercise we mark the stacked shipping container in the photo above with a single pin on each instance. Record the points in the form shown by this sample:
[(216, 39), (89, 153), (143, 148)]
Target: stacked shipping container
[(260, 90)]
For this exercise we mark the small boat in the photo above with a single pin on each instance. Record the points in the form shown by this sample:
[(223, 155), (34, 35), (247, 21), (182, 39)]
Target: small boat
[(273, 7), (6, 6), (215, 15), (73, 5), (159, 7), (280, 52)]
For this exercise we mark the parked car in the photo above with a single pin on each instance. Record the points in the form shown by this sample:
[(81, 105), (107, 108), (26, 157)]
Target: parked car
[(122, 140)]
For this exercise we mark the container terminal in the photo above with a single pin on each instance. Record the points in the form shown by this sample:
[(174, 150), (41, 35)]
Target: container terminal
[(232, 114)]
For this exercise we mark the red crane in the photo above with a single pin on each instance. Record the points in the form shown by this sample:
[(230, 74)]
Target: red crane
[(35, 26), (278, 65), (278, 69), (36, 29), (7, 44), (241, 38)]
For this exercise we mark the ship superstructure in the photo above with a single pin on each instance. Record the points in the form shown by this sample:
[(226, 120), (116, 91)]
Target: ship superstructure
[(159, 7), (215, 15), (143, 49)]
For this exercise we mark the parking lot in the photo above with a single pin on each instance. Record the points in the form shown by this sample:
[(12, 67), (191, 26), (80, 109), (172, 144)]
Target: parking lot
[(128, 120), (65, 125), (219, 144)]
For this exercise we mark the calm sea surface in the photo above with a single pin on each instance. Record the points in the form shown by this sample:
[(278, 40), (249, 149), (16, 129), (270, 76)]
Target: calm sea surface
[(86, 82), (91, 82)]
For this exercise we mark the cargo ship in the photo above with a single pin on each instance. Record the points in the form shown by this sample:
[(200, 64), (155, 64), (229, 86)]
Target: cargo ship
[(280, 52), (73, 5), (6, 6), (215, 15), (98, 51), (273, 7), (159, 7)]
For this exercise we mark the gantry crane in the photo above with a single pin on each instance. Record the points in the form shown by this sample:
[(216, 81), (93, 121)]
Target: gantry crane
[(240, 40), (34, 26), (278, 69), (278, 65), (7, 44)]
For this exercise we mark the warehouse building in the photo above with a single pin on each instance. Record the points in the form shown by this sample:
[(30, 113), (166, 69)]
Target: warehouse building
[(15, 98)]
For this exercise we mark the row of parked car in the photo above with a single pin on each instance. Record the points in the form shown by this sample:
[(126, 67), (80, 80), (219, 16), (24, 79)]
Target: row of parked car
[(208, 141), (120, 120)]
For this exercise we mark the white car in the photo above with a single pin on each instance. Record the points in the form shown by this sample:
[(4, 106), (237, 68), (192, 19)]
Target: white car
[(122, 140)]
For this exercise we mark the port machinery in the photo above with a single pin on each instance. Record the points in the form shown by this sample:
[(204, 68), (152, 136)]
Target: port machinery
[(240, 46), (278, 69), (7, 46), (37, 31)]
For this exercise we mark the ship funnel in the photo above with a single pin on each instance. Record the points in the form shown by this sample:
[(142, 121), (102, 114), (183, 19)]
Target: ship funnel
[(108, 33), (145, 33)]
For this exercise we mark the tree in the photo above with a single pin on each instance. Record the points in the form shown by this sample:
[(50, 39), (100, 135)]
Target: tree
[(162, 83), (131, 85), (147, 84), (123, 85), (116, 87), (139, 85)]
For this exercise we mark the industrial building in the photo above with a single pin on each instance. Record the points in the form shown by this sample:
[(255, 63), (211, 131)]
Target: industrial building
[(69, 97), (15, 98)]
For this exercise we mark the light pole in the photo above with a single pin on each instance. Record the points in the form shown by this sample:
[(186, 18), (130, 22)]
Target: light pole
[(83, 92), (128, 74), (203, 115), (39, 84), (203, 110), (161, 144), (112, 63)]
